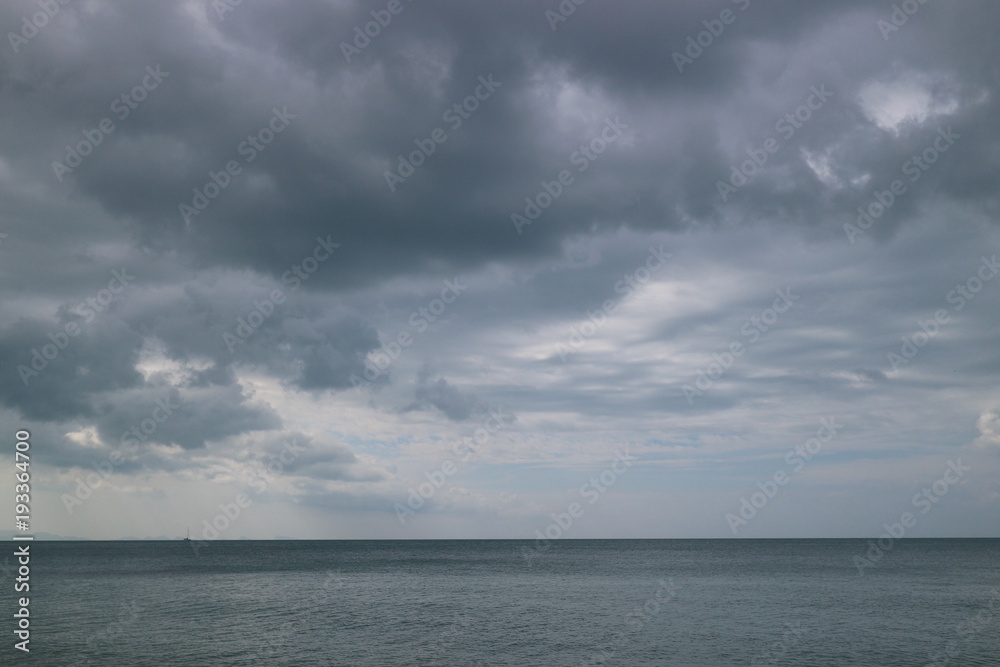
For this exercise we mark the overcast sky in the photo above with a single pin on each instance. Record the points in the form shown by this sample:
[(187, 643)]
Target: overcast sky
[(447, 269)]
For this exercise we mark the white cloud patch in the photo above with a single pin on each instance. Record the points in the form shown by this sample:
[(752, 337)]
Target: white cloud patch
[(911, 98), (989, 430)]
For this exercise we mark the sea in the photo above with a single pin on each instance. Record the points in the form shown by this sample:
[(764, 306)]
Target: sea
[(508, 602)]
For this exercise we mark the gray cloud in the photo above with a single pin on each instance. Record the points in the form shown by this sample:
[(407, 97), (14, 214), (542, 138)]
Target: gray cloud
[(267, 88)]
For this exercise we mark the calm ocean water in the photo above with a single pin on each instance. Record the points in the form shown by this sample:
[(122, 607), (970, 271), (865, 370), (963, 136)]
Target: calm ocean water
[(580, 602)]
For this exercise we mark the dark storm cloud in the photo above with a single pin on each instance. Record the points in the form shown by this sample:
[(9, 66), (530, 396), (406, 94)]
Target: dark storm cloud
[(51, 372), (187, 417), (235, 320), (45, 380), (257, 142), (300, 455), (455, 403), (324, 173)]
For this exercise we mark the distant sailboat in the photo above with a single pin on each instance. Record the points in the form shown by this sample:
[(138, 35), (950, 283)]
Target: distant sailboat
[(188, 538)]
